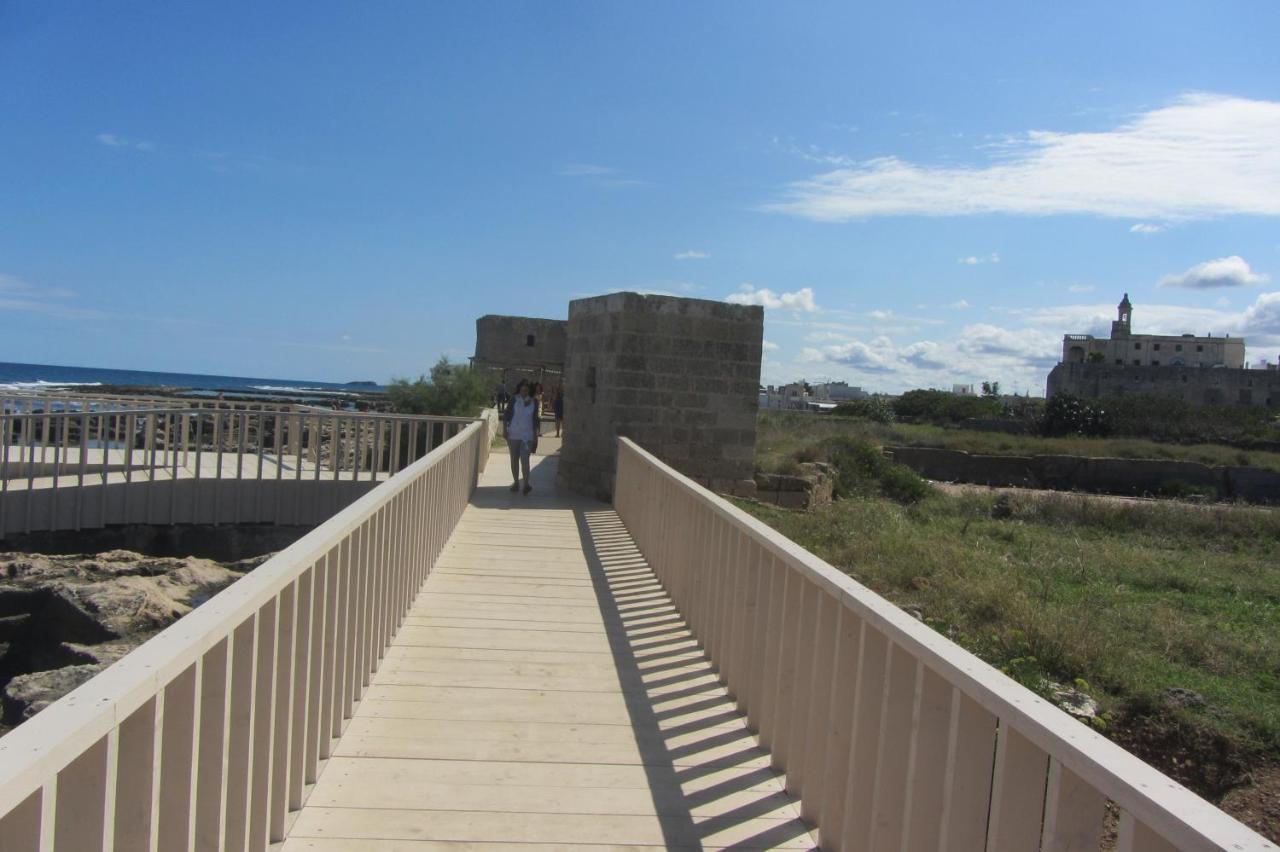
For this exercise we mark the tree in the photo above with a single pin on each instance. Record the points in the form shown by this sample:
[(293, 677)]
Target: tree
[(1065, 414), (991, 390), (452, 390)]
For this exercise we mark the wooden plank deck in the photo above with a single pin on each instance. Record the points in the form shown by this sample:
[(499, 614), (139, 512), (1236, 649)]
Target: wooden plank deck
[(543, 693)]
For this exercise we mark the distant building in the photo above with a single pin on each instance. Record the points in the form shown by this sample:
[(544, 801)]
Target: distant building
[(963, 390), (802, 396), (837, 392), (1198, 370), (1126, 349)]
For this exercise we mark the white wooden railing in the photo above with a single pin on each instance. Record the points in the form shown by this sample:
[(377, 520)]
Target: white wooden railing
[(215, 728), (173, 453), (28, 402), (893, 737)]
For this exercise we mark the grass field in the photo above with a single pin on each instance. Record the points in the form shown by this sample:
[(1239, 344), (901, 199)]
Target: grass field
[(1125, 600), (780, 436)]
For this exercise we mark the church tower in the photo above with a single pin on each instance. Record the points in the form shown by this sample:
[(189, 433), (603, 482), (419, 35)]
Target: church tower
[(1123, 324)]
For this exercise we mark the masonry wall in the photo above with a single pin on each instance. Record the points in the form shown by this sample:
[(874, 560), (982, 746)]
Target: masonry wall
[(678, 376), (503, 341), (1194, 385)]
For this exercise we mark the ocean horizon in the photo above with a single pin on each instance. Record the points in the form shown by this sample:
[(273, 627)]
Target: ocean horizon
[(16, 377)]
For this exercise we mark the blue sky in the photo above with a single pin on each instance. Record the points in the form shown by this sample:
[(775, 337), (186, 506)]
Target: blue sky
[(919, 195)]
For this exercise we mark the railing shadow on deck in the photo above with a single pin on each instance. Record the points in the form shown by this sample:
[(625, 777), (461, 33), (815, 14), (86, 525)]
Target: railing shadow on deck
[(695, 752)]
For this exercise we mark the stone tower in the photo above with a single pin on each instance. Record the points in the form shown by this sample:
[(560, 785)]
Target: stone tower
[(1122, 325), (680, 377)]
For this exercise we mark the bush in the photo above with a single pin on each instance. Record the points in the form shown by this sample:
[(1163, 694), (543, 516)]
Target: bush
[(941, 407), (877, 409), (1168, 419), (901, 483), (1065, 414), (861, 470), (453, 390)]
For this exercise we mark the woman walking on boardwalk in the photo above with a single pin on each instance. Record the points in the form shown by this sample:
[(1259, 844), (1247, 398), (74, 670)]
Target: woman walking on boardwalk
[(518, 427)]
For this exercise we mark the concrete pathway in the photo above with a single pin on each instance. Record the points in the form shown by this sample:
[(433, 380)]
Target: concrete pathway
[(543, 693)]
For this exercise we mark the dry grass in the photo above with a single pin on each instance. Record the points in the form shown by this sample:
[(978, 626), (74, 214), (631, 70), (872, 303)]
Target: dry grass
[(1128, 599)]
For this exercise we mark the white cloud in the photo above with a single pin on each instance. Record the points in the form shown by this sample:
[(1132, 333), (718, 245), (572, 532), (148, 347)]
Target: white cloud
[(1017, 351), (800, 300), (1204, 155), (23, 296), (1263, 316), (768, 346), (879, 315), (112, 140), (692, 254), (959, 306), (975, 260), (1146, 228), (1081, 288), (13, 287), (877, 356), (825, 336), (925, 354), (585, 170), (1231, 271)]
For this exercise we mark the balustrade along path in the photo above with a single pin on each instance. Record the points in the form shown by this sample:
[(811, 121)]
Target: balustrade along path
[(449, 665)]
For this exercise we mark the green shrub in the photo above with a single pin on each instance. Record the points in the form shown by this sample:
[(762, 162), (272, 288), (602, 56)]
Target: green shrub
[(876, 409), (936, 406), (1065, 414), (901, 483), (861, 470), (453, 390)]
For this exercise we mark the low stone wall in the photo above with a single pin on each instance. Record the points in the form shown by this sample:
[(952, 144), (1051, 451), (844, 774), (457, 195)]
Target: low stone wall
[(812, 488), (1133, 477)]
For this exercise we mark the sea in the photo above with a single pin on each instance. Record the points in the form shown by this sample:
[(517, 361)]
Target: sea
[(50, 377)]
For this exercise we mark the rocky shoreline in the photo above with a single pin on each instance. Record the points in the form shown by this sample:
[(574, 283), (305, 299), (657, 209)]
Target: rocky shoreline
[(64, 618)]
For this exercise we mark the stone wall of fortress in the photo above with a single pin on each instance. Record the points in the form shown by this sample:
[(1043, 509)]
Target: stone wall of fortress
[(1194, 385), (520, 342), (678, 376)]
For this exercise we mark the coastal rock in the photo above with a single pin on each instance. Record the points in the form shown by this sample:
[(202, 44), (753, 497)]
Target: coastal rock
[(65, 618), (28, 694), (1074, 701)]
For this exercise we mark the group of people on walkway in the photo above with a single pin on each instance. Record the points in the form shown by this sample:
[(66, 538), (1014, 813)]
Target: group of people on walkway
[(522, 426)]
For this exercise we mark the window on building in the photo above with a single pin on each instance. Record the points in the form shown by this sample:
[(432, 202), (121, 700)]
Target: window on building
[(1155, 362), (1120, 362), (1156, 346), (528, 340), (1199, 348), (1137, 362), (1137, 346), (1177, 347)]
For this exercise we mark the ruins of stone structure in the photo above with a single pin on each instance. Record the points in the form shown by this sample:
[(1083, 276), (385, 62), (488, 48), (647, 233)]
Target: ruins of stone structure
[(512, 348), (678, 376), (1198, 370)]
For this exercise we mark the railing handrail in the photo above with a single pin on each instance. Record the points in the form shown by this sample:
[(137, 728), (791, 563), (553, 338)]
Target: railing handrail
[(319, 413), (45, 744), (1156, 800)]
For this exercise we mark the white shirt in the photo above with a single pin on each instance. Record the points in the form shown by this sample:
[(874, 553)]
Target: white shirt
[(522, 415)]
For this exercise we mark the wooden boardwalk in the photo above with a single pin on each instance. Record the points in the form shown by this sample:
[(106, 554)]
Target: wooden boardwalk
[(543, 693)]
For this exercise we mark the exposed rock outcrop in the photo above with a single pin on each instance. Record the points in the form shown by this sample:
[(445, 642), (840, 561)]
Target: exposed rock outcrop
[(65, 618)]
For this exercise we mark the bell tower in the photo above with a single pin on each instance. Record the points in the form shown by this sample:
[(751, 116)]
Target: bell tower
[(1123, 324)]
